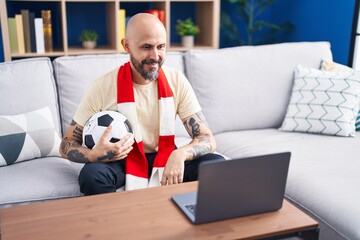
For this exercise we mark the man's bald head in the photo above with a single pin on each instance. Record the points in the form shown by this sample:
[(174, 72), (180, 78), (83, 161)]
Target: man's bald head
[(144, 25), (145, 41)]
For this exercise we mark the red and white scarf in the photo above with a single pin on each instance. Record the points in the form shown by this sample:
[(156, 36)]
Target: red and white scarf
[(136, 169)]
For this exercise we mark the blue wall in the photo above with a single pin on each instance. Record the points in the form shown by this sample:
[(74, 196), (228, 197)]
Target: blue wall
[(319, 20), (315, 20)]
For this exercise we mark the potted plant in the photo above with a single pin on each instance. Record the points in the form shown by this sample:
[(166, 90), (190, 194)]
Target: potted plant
[(89, 38), (257, 29), (187, 30)]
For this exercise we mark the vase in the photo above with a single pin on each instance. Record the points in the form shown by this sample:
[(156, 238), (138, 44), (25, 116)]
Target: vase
[(89, 44), (187, 41)]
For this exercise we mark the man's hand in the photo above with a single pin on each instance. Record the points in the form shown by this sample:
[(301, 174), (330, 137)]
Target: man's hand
[(203, 142), (109, 152), (174, 168)]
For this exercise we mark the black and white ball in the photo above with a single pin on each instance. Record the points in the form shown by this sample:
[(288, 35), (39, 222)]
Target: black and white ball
[(96, 125)]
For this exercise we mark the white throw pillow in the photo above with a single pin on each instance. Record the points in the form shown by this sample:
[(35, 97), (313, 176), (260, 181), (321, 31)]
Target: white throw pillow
[(323, 102), (333, 66), (27, 136)]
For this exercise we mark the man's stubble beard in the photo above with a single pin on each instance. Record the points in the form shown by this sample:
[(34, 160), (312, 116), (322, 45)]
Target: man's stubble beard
[(151, 75)]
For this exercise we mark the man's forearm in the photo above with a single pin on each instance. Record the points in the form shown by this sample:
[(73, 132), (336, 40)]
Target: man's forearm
[(203, 141), (73, 151), (199, 146)]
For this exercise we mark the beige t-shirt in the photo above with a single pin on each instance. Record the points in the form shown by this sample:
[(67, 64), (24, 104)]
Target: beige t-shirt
[(102, 95)]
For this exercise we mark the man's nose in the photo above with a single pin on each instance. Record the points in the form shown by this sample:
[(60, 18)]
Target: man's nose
[(154, 54)]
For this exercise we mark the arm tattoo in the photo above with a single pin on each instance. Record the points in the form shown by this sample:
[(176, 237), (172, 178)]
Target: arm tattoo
[(202, 148), (73, 155), (77, 134), (192, 125), (199, 150), (109, 155), (195, 127), (202, 143), (204, 139), (65, 144), (76, 156), (71, 148)]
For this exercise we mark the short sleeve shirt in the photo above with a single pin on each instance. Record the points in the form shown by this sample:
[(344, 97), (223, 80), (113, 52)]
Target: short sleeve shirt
[(102, 95)]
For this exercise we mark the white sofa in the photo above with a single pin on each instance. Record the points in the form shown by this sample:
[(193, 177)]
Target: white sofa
[(244, 93)]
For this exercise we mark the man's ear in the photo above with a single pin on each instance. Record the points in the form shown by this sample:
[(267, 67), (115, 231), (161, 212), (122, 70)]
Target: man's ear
[(125, 45)]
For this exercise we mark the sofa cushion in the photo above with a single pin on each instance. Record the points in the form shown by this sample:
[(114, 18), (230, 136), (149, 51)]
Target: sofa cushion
[(27, 85), (323, 102), (50, 178), (74, 74), (249, 87), (28, 136), (323, 172)]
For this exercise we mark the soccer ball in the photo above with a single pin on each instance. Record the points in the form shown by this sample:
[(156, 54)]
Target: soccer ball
[(96, 125)]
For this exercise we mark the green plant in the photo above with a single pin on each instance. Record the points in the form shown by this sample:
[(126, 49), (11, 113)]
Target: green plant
[(89, 35), (249, 12), (186, 27)]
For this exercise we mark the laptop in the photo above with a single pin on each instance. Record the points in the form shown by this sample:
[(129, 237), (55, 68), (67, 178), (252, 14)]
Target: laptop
[(236, 188)]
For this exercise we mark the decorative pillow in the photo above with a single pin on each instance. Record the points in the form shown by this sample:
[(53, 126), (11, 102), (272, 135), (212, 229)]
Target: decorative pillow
[(333, 66), (27, 136), (323, 102)]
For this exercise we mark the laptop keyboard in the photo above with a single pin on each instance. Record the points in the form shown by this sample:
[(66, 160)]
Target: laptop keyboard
[(191, 208)]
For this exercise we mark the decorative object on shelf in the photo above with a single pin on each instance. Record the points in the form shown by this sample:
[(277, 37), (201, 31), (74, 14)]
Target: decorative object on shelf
[(187, 30), (47, 28), (61, 22), (14, 47), (89, 38), (248, 12), (159, 14), (20, 33), (122, 27)]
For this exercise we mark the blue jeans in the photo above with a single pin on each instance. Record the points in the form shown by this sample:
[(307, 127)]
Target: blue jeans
[(97, 178)]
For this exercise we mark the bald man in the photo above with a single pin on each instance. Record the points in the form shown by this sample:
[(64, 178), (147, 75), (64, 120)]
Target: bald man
[(150, 96)]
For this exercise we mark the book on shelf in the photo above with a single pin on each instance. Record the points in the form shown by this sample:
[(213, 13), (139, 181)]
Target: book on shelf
[(122, 26), (20, 33), (47, 28), (158, 13), (26, 27), (39, 35), (13, 36), (32, 31)]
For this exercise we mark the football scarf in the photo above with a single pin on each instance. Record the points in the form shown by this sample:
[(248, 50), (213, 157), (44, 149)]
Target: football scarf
[(136, 169)]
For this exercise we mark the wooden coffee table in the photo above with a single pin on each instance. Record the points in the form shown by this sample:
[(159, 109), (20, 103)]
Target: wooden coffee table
[(143, 214)]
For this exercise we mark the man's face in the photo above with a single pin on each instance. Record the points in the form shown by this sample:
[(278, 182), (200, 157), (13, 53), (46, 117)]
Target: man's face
[(146, 46), (148, 65)]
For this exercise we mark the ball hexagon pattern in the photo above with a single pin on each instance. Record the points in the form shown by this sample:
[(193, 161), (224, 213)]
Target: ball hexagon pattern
[(97, 124)]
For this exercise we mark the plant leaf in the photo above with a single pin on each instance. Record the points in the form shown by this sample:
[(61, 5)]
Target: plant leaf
[(230, 30)]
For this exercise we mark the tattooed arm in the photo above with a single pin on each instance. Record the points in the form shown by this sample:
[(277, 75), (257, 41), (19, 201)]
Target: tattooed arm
[(203, 142), (71, 147)]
